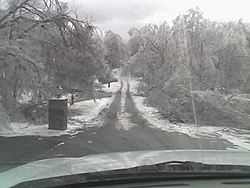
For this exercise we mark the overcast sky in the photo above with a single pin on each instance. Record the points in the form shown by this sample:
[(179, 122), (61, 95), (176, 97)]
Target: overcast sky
[(121, 15)]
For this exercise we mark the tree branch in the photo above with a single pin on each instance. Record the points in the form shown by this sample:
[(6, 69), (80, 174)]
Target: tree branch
[(13, 11)]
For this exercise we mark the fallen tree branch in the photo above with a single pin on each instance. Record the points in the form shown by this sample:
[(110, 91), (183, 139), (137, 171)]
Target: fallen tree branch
[(233, 95)]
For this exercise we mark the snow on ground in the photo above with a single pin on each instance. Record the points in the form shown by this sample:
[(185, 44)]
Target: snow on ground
[(116, 72), (87, 112), (239, 137), (114, 87), (84, 115), (134, 84)]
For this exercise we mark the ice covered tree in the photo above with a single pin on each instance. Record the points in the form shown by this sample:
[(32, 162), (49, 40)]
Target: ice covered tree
[(42, 44), (116, 50)]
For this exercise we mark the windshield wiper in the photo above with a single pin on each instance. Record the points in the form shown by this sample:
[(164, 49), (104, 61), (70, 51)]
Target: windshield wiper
[(173, 170)]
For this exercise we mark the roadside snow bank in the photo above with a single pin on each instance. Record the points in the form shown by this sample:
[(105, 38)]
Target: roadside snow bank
[(239, 137)]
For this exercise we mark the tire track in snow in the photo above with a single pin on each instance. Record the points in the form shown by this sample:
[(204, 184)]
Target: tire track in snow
[(136, 117), (111, 116), (123, 115)]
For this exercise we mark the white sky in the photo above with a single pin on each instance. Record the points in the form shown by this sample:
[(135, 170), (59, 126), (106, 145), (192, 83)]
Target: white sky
[(120, 15)]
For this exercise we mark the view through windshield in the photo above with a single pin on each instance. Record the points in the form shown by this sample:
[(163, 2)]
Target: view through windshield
[(80, 78)]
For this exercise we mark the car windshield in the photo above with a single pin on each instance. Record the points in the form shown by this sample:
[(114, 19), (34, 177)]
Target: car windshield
[(81, 78)]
